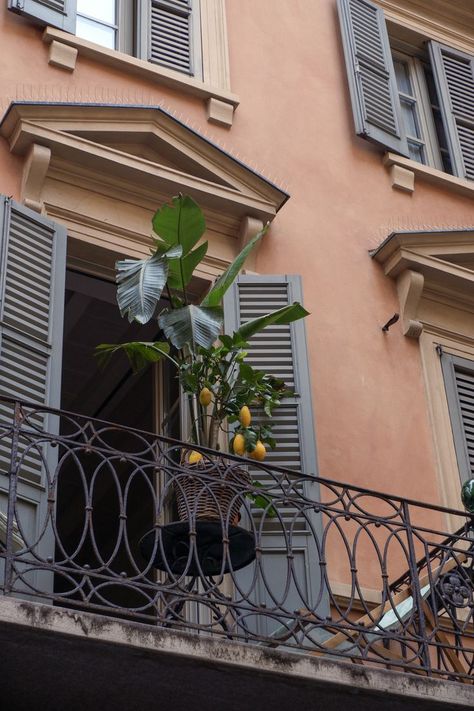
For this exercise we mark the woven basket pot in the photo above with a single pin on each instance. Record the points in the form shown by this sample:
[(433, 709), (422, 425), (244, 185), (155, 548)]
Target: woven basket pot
[(218, 495)]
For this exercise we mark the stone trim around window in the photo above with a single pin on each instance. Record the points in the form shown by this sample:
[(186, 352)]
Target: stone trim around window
[(404, 173), (441, 20), (101, 170), (434, 275), (213, 89)]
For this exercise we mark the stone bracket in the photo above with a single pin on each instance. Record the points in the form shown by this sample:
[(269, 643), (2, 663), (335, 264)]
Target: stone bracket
[(402, 178), (62, 55), (249, 226), (410, 287), (220, 112), (34, 174)]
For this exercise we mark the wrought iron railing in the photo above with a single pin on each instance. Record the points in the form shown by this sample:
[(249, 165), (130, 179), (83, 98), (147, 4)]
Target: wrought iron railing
[(267, 556)]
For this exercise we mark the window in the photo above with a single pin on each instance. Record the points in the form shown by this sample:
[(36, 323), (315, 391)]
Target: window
[(97, 22), (416, 111), (459, 381), (412, 97), (164, 32)]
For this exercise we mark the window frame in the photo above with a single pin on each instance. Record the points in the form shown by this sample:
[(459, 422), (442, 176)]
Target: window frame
[(369, 31), (429, 139)]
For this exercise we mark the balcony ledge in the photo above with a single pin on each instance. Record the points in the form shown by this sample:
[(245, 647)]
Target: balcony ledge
[(84, 660)]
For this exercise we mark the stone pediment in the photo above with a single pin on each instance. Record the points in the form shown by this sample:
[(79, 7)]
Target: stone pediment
[(437, 265), (143, 150)]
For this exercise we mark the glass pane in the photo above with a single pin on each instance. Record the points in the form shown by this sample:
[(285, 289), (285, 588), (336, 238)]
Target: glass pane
[(410, 119), (403, 78), (103, 10), (92, 31), (416, 152)]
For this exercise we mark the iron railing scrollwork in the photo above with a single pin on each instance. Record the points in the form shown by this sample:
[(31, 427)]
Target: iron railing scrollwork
[(320, 566)]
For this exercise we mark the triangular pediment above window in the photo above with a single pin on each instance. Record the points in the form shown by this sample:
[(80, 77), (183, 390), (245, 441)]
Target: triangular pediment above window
[(147, 149)]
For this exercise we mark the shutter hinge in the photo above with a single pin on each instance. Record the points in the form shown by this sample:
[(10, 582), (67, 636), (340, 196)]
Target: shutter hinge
[(439, 349), (20, 4)]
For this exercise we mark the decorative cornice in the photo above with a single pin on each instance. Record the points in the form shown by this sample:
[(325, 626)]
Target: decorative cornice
[(443, 20), (427, 265), (78, 137)]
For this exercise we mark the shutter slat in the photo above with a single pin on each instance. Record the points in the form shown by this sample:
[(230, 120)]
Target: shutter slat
[(375, 101), (57, 13), (465, 392), (454, 76), (170, 36), (277, 351), (30, 337)]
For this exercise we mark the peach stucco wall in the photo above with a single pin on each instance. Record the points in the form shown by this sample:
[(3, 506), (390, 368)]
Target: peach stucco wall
[(294, 124)]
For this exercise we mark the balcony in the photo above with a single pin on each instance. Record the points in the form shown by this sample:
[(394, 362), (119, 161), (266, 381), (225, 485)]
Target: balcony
[(120, 562)]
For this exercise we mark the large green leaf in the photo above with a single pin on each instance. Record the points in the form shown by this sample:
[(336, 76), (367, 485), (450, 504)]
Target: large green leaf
[(181, 270), (215, 295), (192, 325), (287, 314), (180, 223), (141, 283), (139, 353)]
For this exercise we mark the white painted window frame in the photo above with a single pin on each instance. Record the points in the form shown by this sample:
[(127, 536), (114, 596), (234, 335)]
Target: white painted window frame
[(429, 139)]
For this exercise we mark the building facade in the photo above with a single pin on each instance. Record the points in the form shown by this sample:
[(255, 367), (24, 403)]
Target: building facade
[(349, 127)]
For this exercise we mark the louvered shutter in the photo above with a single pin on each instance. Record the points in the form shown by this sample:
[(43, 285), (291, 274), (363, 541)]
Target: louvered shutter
[(32, 274), (459, 380), (454, 76), (57, 13), (281, 351), (371, 75), (170, 34)]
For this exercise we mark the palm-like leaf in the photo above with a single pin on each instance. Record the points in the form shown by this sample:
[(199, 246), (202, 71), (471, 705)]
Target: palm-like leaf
[(215, 295), (283, 316), (139, 353), (181, 270), (192, 325), (180, 223), (141, 283)]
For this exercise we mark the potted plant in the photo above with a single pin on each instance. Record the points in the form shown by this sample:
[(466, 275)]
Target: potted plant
[(220, 387)]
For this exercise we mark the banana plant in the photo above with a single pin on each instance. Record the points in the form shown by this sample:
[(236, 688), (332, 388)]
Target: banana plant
[(206, 360)]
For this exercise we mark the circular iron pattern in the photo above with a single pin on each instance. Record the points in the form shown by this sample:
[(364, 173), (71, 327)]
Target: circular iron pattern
[(455, 590)]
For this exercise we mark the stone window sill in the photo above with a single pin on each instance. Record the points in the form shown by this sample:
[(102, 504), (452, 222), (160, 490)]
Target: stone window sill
[(404, 171), (220, 103)]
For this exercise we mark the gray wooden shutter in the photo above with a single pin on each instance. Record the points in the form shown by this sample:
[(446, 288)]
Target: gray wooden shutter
[(57, 13), (454, 77), (372, 84), (281, 351), (32, 276), (459, 381), (170, 34)]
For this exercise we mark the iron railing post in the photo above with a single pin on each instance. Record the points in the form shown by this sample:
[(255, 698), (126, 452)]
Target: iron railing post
[(12, 495), (416, 590)]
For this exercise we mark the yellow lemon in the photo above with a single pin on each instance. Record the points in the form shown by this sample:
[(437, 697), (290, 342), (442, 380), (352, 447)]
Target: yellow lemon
[(205, 397), (239, 445), (245, 417), (195, 457), (259, 452)]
